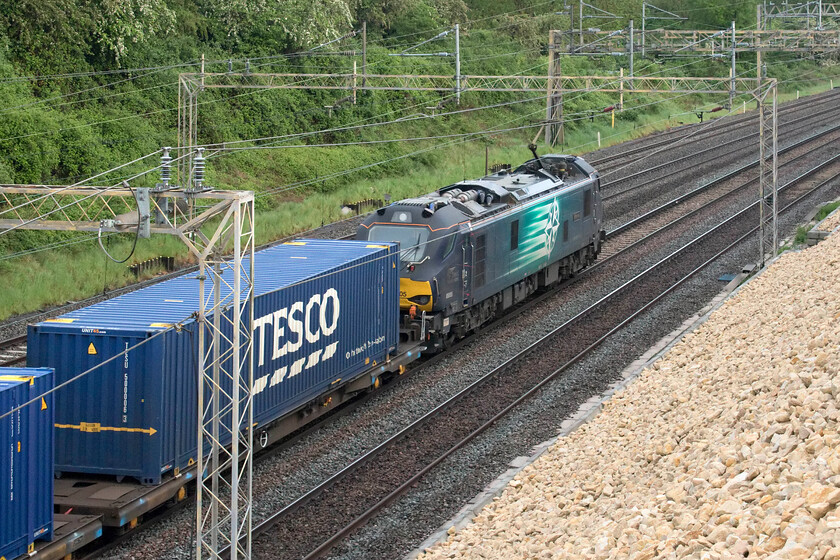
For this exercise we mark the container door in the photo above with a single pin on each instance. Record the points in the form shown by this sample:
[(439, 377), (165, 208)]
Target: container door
[(105, 421), (14, 499)]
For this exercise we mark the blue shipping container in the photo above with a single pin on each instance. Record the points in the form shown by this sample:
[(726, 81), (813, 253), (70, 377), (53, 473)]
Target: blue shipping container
[(26, 441), (325, 311)]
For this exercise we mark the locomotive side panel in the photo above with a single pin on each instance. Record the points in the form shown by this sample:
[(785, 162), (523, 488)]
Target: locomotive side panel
[(510, 248)]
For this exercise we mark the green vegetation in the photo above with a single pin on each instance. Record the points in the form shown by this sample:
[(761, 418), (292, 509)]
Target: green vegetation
[(61, 129), (826, 210), (801, 235)]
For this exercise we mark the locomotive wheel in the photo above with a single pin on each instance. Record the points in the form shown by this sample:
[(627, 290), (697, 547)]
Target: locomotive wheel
[(449, 339)]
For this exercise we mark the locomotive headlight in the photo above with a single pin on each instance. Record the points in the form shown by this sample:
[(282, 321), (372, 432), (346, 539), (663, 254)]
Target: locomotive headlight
[(420, 300), (403, 217)]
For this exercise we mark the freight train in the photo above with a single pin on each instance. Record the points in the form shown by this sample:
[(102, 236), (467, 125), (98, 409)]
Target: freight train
[(332, 320), (473, 249)]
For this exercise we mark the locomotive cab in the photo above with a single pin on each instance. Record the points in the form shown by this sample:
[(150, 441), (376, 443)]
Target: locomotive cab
[(430, 258)]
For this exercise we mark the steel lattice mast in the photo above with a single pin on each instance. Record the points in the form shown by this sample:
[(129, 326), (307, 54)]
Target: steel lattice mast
[(218, 229), (762, 89)]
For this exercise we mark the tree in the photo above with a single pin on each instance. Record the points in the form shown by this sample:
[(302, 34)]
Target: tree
[(118, 22), (305, 22)]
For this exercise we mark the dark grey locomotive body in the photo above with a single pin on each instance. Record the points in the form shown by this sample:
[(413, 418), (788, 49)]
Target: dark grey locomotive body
[(473, 249)]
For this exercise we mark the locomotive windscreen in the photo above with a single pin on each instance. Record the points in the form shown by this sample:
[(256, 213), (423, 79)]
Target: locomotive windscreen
[(412, 240)]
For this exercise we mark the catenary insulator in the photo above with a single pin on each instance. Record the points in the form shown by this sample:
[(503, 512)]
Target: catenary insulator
[(198, 168), (165, 167)]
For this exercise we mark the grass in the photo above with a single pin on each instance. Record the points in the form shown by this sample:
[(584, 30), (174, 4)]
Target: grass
[(801, 235), (826, 210), (54, 277), (83, 270), (802, 231)]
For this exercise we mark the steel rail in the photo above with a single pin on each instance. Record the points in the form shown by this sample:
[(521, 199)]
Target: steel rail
[(13, 344), (707, 186), (726, 125), (186, 270), (176, 273), (689, 157), (268, 523), (656, 211), (353, 405)]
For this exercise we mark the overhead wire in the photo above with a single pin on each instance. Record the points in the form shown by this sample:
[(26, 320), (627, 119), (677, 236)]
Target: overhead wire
[(410, 139), (448, 96), (89, 371), (460, 135), (302, 183), (160, 68), (385, 40), (87, 100), (147, 114), (48, 247), (317, 132), (71, 94), (83, 374), (96, 193), (723, 80), (239, 58), (466, 134), (70, 75), (478, 134)]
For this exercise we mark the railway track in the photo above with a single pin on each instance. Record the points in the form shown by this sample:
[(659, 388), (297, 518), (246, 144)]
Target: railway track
[(358, 492), (17, 343), (721, 189), (679, 137), (676, 167), (604, 165), (13, 352), (699, 132)]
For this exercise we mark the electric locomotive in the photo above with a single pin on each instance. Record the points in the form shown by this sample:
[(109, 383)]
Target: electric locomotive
[(473, 249)]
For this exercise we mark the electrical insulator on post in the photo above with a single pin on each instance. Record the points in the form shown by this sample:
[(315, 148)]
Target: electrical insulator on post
[(198, 170), (165, 168)]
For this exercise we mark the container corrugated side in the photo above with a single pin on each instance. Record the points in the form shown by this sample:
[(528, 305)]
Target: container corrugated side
[(39, 445), (14, 527), (325, 312)]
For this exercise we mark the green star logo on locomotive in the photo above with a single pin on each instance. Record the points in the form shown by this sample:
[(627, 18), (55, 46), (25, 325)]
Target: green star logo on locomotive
[(552, 224)]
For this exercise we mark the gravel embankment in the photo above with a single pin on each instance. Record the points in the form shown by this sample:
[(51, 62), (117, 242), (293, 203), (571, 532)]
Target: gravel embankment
[(831, 222), (728, 447)]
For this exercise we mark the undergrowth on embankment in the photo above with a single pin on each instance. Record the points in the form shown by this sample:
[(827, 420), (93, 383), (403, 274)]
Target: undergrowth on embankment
[(61, 129)]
